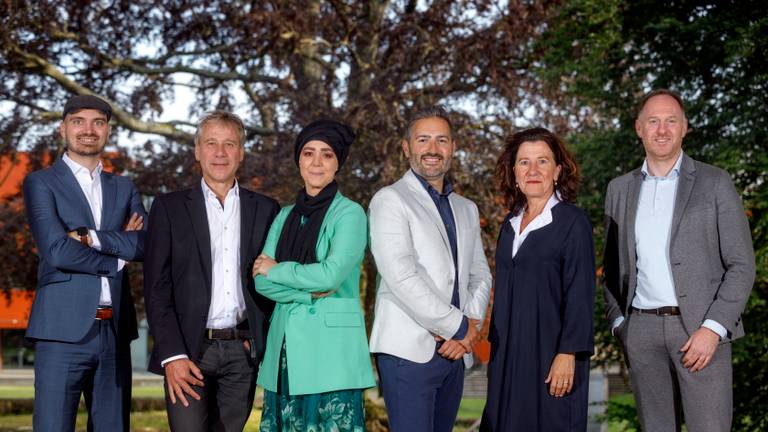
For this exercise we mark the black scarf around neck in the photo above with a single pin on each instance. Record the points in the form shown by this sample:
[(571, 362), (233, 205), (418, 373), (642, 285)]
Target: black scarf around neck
[(298, 240)]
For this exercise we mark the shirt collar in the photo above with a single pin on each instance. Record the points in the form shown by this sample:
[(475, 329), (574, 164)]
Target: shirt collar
[(447, 186), (551, 202), (673, 173), (543, 219), (210, 194), (78, 169)]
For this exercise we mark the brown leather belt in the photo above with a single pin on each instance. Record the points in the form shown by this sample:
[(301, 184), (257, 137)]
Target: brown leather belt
[(227, 334), (104, 313), (662, 311)]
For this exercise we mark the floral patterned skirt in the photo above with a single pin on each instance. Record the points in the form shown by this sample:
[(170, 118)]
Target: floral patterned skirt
[(336, 411)]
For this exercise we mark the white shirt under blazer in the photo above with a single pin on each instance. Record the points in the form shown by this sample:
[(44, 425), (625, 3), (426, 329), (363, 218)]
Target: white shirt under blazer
[(416, 271)]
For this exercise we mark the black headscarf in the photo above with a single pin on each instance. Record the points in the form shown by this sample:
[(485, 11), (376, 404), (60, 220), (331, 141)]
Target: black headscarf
[(301, 230), (302, 226), (337, 135)]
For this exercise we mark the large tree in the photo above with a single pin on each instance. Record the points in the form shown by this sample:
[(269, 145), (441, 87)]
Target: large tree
[(279, 64)]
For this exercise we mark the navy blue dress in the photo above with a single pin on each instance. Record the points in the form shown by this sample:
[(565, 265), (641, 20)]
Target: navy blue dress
[(543, 305)]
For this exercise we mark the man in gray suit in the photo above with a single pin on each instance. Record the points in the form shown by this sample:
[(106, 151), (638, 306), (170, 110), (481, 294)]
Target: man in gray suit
[(679, 267)]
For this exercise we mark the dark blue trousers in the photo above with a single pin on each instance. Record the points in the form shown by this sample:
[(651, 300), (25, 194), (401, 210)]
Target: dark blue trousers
[(421, 397), (98, 367)]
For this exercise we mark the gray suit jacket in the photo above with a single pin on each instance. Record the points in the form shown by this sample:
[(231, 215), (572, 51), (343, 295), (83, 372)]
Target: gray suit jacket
[(710, 247)]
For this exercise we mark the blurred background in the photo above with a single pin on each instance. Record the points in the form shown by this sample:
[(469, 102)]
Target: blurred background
[(577, 67)]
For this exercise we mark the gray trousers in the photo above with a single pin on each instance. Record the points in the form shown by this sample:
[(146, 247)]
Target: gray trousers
[(662, 386)]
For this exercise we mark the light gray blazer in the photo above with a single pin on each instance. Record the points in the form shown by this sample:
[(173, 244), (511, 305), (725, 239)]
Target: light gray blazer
[(416, 272), (710, 247)]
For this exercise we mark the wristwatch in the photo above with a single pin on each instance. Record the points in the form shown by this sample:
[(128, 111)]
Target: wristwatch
[(82, 232)]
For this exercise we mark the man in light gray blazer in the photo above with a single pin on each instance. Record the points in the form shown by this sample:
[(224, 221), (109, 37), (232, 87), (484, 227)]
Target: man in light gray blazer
[(434, 282), (679, 267)]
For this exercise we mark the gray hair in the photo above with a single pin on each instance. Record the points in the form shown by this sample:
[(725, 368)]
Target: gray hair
[(227, 117), (428, 112)]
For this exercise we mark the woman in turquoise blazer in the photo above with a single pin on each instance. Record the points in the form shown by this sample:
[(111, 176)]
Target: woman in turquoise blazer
[(316, 363)]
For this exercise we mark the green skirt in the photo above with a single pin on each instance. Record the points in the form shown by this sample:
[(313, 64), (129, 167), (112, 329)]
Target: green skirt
[(341, 410)]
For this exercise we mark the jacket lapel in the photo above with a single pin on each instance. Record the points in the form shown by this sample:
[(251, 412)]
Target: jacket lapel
[(108, 199), (68, 179), (458, 220), (633, 199), (684, 188), (425, 201), (197, 214), (248, 208)]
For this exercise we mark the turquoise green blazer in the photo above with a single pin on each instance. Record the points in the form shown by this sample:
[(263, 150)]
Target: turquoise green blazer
[(325, 342)]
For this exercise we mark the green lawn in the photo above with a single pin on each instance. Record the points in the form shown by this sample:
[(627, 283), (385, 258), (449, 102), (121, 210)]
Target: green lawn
[(28, 392), (156, 421), (147, 421)]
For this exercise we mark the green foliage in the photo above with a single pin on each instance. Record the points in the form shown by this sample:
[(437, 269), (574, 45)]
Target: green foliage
[(622, 414), (597, 57)]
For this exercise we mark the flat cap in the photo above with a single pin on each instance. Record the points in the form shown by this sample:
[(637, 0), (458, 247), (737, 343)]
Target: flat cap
[(80, 102)]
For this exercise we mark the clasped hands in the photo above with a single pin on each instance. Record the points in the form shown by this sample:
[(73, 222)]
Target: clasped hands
[(453, 349), (134, 223)]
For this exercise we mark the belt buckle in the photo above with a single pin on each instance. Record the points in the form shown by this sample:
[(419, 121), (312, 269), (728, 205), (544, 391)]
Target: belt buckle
[(103, 313), (210, 333)]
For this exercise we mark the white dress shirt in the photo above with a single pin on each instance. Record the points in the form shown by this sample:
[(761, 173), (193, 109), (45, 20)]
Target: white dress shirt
[(543, 219), (227, 306), (653, 226), (227, 303), (90, 184)]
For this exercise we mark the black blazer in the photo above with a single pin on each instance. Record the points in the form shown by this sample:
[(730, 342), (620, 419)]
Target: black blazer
[(177, 271)]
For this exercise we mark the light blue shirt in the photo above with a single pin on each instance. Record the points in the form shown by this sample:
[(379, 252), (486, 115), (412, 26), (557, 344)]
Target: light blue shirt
[(653, 226), (653, 223)]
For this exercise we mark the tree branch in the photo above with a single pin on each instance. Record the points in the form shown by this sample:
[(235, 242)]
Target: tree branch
[(122, 117)]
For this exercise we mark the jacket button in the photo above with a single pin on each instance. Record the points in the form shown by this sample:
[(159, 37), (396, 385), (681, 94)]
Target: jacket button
[(312, 311)]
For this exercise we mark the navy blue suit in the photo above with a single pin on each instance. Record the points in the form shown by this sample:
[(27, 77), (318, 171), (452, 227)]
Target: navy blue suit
[(74, 352), (543, 304)]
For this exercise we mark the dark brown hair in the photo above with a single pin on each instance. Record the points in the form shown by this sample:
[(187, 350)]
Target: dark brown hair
[(567, 183), (659, 92)]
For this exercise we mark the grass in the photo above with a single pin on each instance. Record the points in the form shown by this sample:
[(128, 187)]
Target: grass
[(146, 421), (156, 421), (17, 392), (28, 392)]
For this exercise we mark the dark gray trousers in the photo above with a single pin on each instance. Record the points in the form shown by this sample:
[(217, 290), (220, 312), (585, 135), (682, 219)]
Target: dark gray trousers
[(663, 387), (226, 399)]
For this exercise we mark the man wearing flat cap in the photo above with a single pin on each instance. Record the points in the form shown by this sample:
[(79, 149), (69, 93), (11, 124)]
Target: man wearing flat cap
[(208, 323), (87, 223), (434, 281)]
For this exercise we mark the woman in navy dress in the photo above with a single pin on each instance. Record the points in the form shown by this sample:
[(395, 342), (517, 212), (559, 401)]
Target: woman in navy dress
[(541, 325)]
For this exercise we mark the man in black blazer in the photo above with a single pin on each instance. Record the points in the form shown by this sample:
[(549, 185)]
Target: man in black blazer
[(208, 323)]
